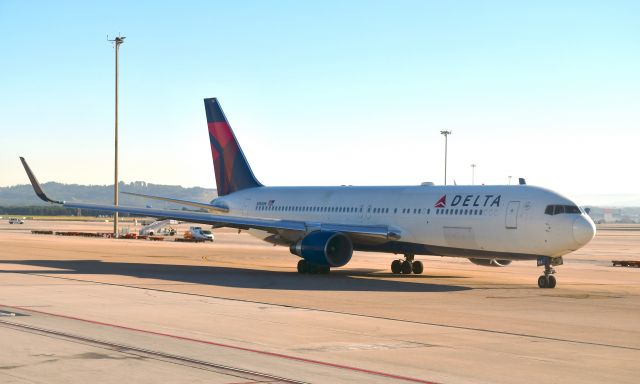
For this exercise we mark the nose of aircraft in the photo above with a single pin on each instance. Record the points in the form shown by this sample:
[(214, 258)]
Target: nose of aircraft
[(583, 230)]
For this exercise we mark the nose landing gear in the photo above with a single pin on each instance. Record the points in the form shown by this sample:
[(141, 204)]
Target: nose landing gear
[(407, 266), (548, 280)]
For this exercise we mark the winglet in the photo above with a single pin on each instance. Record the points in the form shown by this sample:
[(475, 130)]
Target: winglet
[(36, 185)]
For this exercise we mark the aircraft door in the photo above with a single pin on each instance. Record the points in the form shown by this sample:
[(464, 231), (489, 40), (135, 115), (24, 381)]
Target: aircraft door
[(245, 207), (511, 219), (367, 213)]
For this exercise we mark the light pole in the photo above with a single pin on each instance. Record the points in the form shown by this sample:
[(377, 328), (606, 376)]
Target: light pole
[(509, 180), (473, 174), (446, 134), (117, 41)]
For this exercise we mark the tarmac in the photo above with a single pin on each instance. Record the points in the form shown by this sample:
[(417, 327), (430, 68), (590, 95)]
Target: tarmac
[(74, 310)]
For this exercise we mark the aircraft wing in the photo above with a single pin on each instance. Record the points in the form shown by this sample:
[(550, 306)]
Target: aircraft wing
[(275, 226)]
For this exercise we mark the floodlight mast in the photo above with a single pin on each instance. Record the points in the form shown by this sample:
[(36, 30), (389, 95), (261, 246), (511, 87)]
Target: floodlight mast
[(446, 134), (473, 174), (117, 41)]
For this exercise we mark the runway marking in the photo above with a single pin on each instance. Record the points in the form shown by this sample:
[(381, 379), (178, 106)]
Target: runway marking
[(257, 377), (229, 346), (493, 331)]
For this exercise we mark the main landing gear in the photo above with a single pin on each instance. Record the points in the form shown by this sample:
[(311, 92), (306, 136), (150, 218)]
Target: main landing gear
[(305, 267), (407, 266), (548, 280)]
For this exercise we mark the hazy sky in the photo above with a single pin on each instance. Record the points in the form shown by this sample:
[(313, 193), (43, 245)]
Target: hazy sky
[(326, 92)]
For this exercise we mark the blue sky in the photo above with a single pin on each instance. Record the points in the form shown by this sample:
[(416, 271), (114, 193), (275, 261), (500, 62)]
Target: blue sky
[(326, 93)]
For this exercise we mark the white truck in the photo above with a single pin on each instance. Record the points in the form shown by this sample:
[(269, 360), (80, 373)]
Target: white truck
[(197, 233), (15, 220)]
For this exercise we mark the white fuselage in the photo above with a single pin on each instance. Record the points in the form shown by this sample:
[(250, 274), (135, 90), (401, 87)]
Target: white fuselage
[(506, 222)]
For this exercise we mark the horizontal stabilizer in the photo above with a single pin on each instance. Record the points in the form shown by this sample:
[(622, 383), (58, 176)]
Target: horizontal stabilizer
[(208, 207)]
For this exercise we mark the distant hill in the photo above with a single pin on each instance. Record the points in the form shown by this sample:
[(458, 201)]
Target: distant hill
[(23, 195)]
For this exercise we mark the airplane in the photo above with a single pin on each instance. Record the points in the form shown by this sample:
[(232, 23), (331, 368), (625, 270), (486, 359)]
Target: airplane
[(489, 225)]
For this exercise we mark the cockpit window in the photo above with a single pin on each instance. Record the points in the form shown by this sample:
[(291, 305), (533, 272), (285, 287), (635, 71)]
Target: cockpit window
[(557, 209), (572, 209)]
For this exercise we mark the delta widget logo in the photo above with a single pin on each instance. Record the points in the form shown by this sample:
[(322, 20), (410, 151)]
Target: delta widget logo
[(442, 202)]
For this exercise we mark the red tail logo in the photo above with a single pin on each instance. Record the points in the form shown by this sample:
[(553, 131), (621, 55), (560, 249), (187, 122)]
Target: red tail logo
[(442, 202)]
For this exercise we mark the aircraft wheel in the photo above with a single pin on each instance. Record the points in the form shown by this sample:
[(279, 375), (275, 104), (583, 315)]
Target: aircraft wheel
[(417, 267), (543, 282), (552, 282), (396, 266), (406, 267), (302, 266)]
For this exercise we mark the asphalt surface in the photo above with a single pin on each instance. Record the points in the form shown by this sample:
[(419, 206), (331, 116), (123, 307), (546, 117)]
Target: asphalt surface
[(235, 311)]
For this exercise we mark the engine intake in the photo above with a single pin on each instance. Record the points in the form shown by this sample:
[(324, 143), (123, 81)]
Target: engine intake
[(333, 249), (491, 262)]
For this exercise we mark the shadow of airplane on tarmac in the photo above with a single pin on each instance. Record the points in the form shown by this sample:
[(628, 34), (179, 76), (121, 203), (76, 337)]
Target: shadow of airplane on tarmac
[(337, 280)]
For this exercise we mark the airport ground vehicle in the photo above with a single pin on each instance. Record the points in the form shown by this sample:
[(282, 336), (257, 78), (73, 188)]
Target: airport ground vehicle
[(15, 220), (489, 225), (197, 233), (160, 227)]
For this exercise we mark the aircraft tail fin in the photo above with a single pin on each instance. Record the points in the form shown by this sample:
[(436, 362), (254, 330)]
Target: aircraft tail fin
[(233, 172)]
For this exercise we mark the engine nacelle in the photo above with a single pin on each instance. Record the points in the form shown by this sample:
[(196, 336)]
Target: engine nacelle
[(491, 262), (333, 249)]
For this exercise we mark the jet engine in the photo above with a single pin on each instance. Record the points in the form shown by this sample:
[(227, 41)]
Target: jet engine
[(330, 249), (491, 262)]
